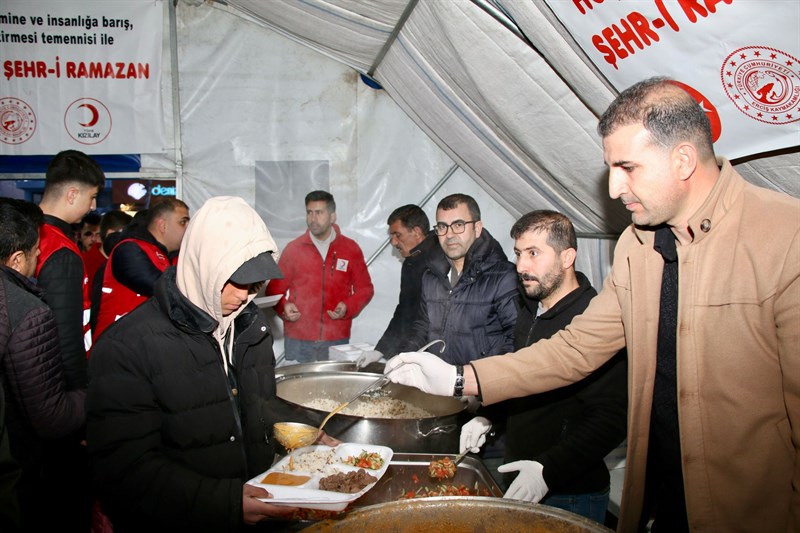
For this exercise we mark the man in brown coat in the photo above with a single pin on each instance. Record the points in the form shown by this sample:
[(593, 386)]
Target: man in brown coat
[(705, 294)]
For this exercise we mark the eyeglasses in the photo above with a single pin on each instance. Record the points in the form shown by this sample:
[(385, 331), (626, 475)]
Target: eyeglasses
[(458, 226)]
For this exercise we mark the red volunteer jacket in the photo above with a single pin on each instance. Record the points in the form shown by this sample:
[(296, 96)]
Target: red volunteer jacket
[(117, 299), (315, 286), (52, 239)]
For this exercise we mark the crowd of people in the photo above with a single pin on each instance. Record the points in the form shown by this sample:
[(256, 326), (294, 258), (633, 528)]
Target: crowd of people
[(136, 367)]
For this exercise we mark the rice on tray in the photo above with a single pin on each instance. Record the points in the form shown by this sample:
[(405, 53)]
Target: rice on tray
[(318, 461), (382, 407)]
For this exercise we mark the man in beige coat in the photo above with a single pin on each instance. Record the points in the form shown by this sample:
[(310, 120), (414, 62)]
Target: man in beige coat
[(712, 329)]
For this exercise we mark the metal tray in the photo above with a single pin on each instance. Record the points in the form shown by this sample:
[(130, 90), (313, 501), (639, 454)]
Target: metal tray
[(404, 468)]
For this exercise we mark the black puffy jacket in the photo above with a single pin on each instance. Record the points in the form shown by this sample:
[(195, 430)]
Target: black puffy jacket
[(476, 318), (171, 437), (38, 408)]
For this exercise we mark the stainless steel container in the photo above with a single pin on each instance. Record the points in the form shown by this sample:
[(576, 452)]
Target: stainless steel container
[(318, 366), (464, 514), (436, 434)]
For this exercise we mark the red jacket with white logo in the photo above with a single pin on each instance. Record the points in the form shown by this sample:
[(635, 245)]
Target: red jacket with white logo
[(316, 286), (119, 299)]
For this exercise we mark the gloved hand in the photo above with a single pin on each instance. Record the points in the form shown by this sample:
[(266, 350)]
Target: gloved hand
[(424, 371), (473, 434), (367, 357), (529, 485)]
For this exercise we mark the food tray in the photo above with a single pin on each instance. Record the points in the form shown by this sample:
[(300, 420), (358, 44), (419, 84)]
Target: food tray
[(308, 495), (409, 471)]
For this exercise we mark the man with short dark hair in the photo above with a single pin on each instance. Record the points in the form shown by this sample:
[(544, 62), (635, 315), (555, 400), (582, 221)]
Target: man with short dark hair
[(112, 224), (704, 293), (72, 183), (139, 259), (411, 235), (468, 291), (326, 284), (556, 440), (38, 408)]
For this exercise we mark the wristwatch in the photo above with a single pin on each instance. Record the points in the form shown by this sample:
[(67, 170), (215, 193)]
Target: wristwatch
[(458, 389)]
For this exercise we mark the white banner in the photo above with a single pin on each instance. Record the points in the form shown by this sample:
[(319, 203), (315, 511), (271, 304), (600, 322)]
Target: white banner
[(83, 74), (739, 59)]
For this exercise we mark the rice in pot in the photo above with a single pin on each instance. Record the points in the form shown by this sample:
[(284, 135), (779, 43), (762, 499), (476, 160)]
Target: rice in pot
[(382, 407)]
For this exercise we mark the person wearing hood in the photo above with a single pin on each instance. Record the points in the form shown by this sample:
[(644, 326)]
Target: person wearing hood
[(469, 291), (181, 398), (325, 285)]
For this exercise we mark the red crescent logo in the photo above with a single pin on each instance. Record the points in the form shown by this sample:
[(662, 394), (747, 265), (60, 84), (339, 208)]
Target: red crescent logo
[(95, 115)]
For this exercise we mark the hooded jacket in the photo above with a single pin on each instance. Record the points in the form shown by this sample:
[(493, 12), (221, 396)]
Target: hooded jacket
[(317, 285), (475, 318), (176, 426), (738, 361)]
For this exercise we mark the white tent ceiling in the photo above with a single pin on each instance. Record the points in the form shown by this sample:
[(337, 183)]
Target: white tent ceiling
[(499, 85)]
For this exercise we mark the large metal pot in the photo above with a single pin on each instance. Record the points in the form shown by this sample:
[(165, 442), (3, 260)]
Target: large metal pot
[(466, 514), (436, 434), (318, 366)]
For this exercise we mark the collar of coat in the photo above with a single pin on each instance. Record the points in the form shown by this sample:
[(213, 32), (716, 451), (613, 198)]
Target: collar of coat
[(21, 281), (712, 212), (484, 251)]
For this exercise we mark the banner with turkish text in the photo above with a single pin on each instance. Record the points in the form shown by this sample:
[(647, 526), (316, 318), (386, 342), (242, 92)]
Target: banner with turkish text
[(83, 75), (738, 58)]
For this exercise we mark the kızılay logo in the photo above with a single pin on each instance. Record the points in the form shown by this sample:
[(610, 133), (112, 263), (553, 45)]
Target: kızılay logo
[(87, 121)]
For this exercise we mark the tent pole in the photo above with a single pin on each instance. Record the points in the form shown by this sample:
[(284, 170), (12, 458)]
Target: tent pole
[(176, 98), (392, 37), (422, 202)]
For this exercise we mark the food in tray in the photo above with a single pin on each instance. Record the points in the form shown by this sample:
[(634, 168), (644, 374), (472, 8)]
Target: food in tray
[(444, 490), (381, 407), (312, 462), (442, 469), (279, 478), (350, 482), (365, 459)]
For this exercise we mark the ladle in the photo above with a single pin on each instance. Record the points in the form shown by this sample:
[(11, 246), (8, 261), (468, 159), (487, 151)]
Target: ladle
[(294, 435)]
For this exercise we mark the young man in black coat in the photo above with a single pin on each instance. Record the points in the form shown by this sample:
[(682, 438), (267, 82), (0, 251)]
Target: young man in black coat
[(556, 440), (182, 389), (39, 409)]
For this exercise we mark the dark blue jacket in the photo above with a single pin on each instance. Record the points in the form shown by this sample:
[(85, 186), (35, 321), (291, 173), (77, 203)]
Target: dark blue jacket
[(476, 318)]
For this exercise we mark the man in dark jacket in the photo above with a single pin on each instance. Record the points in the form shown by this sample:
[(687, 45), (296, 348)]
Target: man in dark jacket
[(38, 408), (72, 183), (410, 233), (181, 396), (468, 292), (139, 259), (557, 440)]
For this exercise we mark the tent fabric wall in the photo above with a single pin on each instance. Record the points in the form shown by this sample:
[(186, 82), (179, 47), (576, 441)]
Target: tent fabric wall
[(278, 81)]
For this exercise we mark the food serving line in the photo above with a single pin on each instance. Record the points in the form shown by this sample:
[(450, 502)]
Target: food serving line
[(395, 449)]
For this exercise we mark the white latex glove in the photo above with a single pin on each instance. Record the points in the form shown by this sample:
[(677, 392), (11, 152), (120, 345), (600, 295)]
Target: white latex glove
[(424, 371), (529, 485), (473, 434), (367, 357)]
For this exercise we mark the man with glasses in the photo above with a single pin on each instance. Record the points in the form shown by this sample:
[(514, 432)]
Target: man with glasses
[(468, 291)]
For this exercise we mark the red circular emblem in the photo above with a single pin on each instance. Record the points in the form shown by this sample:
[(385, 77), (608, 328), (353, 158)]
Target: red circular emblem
[(17, 121), (88, 121), (763, 83), (706, 105)]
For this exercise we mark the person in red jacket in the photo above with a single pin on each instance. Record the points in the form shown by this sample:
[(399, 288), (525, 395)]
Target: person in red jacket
[(72, 183), (139, 259), (325, 284)]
